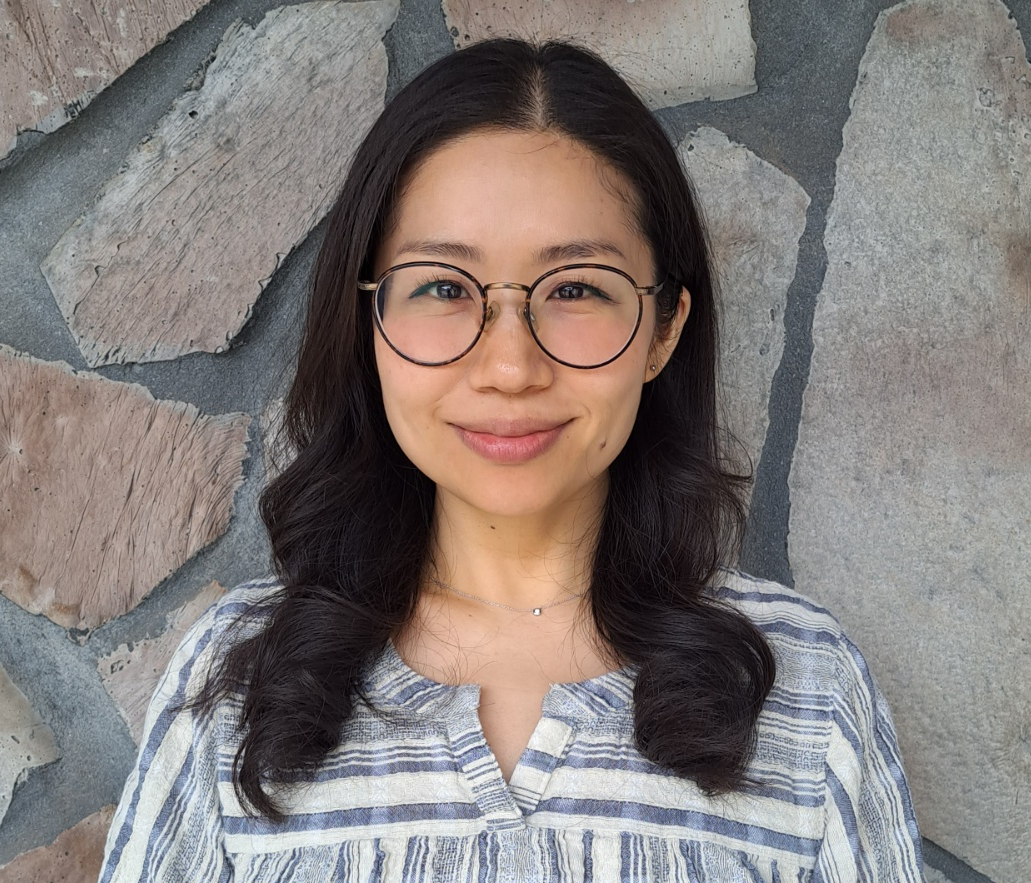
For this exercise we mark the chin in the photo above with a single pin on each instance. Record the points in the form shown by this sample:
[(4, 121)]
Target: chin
[(516, 492)]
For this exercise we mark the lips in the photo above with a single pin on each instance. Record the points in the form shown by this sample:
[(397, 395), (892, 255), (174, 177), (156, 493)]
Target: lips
[(510, 441), (512, 427)]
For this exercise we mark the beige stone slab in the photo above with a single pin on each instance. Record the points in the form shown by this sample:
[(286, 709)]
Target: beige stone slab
[(756, 215), (75, 856), (26, 741), (184, 238), (912, 475), (106, 490), (58, 55), (671, 51), (131, 673)]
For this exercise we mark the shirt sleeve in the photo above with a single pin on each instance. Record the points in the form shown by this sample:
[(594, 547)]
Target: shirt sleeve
[(871, 833), (168, 825)]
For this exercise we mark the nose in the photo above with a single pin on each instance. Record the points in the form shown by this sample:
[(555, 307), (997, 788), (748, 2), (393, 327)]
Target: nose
[(507, 358)]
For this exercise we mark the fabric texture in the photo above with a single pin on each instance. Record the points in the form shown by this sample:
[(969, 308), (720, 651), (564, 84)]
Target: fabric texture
[(413, 794)]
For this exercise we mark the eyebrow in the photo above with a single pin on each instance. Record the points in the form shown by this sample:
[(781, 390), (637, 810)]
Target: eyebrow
[(575, 250)]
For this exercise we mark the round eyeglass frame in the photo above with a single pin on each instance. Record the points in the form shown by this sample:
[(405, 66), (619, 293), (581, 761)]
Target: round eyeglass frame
[(642, 291)]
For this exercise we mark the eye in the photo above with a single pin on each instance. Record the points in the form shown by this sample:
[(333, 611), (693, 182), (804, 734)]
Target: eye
[(572, 291), (441, 289)]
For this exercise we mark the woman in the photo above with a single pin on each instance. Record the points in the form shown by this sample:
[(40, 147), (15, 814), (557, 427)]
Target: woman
[(502, 644)]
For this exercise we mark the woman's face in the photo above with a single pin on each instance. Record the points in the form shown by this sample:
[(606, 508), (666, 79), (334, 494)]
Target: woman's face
[(506, 429)]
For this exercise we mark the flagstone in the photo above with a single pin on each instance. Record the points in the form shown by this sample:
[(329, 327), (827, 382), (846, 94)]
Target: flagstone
[(132, 671), (75, 856), (26, 742), (672, 51), (107, 490), (912, 472), (276, 447), (58, 55), (182, 241), (756, 215)]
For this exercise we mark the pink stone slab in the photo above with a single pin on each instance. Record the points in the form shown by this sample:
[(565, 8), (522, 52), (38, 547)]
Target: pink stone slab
[(672, 51), (75, 856), (58, 55), (131, 674), (106, 490), (182, 241)]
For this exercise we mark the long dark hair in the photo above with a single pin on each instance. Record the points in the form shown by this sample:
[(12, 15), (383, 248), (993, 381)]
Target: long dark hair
[(350, 518)]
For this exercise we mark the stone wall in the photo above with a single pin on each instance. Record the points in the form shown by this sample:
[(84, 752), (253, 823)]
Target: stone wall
[(864, 167)]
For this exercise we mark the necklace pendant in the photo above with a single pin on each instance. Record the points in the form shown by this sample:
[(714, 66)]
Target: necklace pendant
[(536, 611)]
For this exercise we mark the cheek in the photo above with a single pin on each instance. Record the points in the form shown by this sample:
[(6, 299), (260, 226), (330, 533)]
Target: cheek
[(401, 396), (615, 425), (411, 395)]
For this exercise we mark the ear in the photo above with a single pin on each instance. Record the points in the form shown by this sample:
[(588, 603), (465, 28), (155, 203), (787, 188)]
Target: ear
[(662, 347)]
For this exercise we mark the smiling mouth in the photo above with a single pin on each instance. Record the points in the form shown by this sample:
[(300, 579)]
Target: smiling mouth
[(514, 442)]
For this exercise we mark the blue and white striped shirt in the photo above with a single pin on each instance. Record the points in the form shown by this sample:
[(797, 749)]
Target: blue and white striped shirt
[(412, 794)]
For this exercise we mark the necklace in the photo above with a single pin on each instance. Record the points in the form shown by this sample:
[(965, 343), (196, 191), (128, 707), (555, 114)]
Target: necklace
[(536, 611)]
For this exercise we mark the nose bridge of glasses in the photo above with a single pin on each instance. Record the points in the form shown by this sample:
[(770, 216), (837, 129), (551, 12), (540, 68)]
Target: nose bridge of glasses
[(519, 303)]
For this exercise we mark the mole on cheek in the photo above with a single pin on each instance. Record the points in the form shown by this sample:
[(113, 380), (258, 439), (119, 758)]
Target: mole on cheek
[(601, 447)]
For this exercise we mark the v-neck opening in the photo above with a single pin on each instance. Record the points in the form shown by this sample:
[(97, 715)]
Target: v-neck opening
[(565, 708)]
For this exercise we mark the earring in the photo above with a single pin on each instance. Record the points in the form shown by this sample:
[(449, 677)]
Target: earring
[(653, 367)]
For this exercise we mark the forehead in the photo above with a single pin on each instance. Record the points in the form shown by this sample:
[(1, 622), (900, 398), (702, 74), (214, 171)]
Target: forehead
[(507, 191)]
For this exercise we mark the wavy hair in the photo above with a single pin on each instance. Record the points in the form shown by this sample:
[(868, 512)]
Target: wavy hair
[(350, 518)]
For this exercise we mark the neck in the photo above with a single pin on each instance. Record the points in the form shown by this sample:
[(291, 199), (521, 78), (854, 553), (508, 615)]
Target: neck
[(519, 561)]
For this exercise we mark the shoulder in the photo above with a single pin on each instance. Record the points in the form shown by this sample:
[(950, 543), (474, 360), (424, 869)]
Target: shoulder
[(238, 614), (253, 602), (241, 611), (813, 653), (775, 609)]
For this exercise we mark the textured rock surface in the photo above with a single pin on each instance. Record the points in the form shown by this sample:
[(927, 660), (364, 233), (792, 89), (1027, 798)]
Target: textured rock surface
[(277, 451), (911, 479), (58, 55), (25, 740), (74, 857), (672, 51), (183, 240), (756, 215), (131, 673), (107, 490)]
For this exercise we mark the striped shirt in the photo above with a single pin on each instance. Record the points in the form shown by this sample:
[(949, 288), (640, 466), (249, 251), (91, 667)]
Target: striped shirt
[(413, 794)]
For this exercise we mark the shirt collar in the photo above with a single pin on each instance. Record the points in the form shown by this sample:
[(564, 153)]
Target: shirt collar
[(391, 685)]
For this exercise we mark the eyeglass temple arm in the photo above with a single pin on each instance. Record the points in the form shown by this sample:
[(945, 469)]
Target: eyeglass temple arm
[(367, 286)]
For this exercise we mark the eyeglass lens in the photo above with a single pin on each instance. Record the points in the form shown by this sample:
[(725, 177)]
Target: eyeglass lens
[(583, 316)]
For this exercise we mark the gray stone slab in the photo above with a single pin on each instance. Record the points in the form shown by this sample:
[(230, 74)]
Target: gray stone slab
[(671, 51), (58, 55), (106, 489), (26, 741), (184, 238), (74, 857), (911, 477), (756, 215), (131, 672)]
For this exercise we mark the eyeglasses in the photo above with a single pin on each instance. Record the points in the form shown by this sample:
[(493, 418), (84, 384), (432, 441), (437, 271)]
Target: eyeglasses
[(582, 315)]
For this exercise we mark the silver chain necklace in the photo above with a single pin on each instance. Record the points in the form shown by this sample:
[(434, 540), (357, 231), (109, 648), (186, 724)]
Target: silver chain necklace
[(536, 611)]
